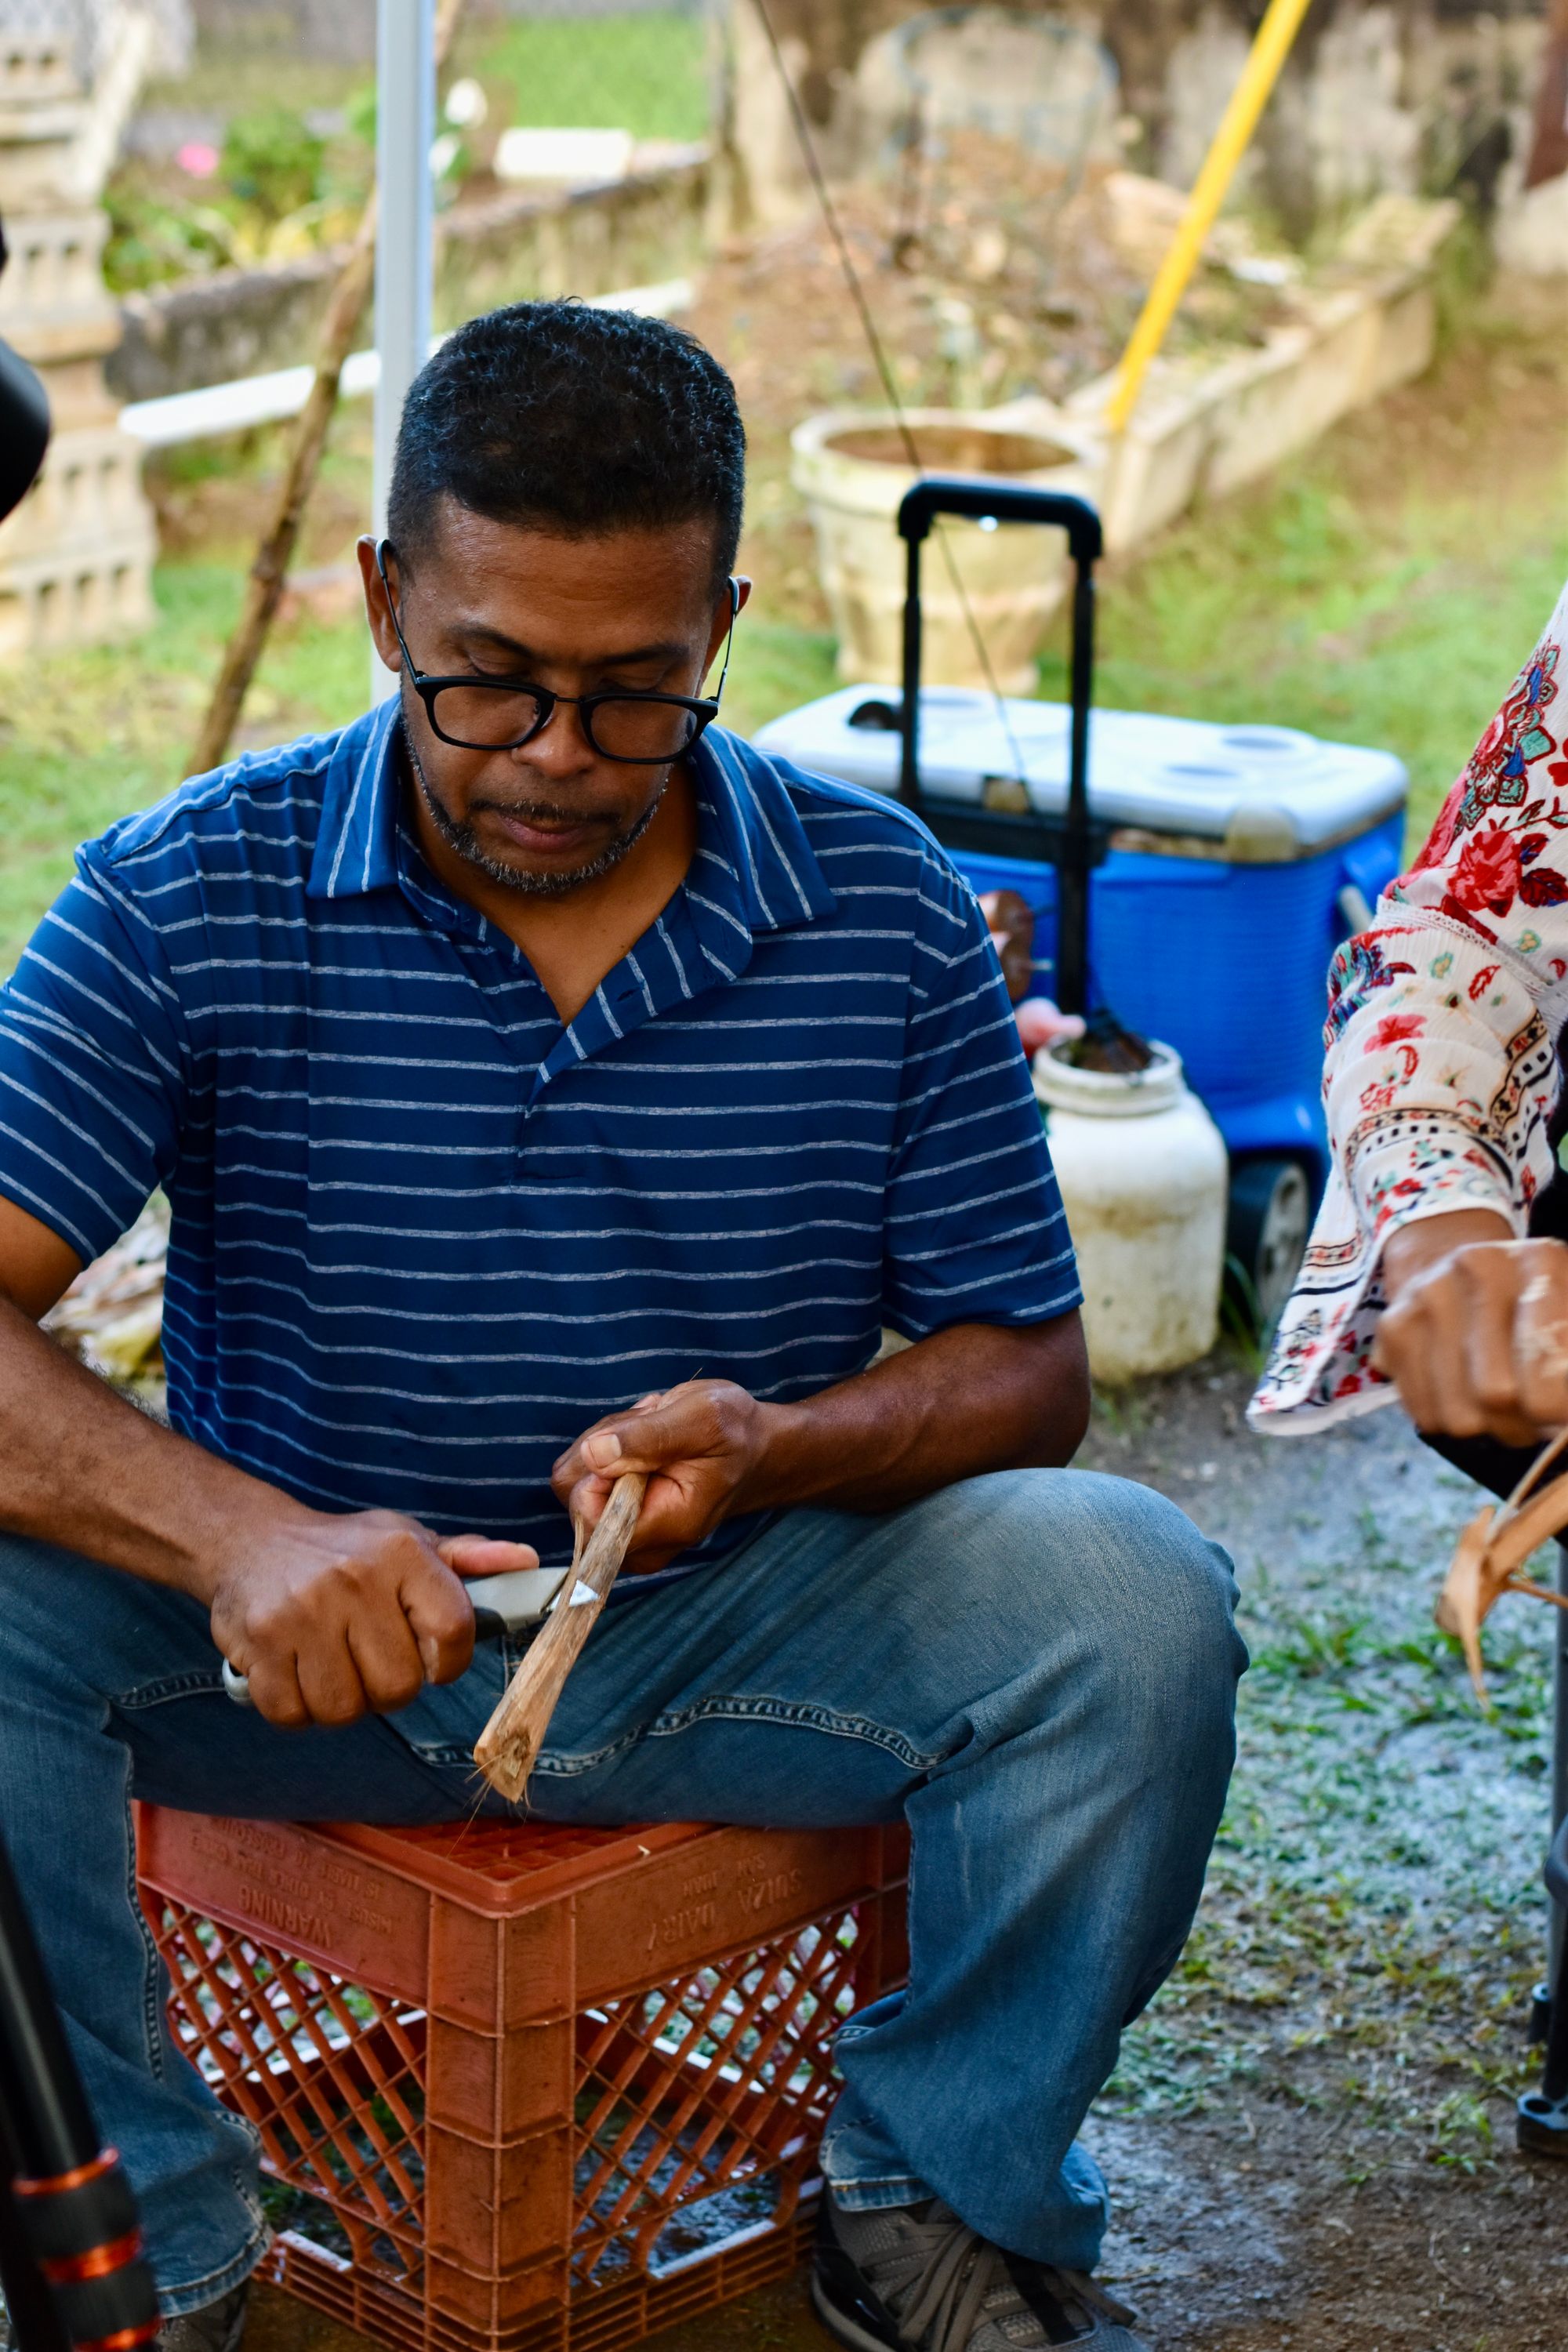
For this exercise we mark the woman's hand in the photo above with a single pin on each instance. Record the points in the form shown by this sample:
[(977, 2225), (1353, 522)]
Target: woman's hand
[(1476, 1334)]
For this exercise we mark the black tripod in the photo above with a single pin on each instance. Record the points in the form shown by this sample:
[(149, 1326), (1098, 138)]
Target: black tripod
[(70, 2251)]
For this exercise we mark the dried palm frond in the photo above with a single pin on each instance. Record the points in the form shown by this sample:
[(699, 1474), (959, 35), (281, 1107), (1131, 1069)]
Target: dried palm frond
[(1492, 1552)]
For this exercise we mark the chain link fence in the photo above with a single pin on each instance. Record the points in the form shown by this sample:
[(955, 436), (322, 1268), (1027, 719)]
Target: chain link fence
[(89, 27), (641, 66)]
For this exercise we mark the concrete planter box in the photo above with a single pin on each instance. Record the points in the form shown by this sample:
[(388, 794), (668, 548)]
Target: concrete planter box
[(1207, 424), (850, 466)]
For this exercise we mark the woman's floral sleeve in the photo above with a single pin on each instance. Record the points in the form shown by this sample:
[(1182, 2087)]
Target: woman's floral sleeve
[(1441, 1071)]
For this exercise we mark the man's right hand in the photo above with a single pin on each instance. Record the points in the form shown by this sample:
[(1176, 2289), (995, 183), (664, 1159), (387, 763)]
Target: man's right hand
[(1476, 1334), (331, 1618)]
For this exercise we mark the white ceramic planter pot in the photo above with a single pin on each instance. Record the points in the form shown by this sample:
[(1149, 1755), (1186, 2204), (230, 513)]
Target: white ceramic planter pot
[(851, 468), (1143, 1175)]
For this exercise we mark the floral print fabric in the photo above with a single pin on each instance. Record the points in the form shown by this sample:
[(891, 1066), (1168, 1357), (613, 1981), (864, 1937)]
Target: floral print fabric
[(1441, 1070)]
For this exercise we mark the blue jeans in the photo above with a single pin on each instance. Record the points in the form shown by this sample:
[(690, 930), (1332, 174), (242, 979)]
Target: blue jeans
[(1036, 1668)]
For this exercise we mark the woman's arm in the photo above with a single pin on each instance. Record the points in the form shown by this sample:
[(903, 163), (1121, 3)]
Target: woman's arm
[(1441, 1070)]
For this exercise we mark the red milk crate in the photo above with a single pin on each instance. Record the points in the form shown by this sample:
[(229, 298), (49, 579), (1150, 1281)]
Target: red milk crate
[(525, 2089)]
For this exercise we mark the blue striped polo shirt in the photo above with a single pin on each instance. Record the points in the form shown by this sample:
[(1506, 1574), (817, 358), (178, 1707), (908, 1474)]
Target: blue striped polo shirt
[(422, 1234)]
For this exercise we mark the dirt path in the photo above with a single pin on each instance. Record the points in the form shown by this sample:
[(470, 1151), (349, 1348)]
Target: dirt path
[(1311, 2136), (1324, 2156)]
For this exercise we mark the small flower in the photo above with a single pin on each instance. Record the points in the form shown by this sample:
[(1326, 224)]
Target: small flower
[(1393, 1029)]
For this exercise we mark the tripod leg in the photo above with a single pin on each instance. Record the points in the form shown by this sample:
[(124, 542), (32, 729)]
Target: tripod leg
[(1557, 1927), (1543, 2115), (34, 2316), (69, 2237)]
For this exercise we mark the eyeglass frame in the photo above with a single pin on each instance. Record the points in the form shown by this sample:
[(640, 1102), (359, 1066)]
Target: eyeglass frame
[(427, 685)]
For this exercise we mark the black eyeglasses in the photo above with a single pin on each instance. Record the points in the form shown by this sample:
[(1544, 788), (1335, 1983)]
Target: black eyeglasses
[(485, 714)]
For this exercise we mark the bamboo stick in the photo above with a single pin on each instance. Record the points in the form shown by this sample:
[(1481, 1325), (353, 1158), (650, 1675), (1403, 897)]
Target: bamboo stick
[(510, 1743), (269, 570)]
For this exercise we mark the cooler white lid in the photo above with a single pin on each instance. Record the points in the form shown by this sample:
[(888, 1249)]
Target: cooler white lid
[(1272, 792)]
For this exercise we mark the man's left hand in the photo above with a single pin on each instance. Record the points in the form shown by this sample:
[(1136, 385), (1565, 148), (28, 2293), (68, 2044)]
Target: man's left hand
[(699, 1445)]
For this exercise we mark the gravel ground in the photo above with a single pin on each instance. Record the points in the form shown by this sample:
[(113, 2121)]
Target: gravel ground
[(1311, 2136)]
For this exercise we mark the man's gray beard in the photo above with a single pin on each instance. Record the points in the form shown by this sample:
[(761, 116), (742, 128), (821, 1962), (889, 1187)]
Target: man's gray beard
[(461, 839)]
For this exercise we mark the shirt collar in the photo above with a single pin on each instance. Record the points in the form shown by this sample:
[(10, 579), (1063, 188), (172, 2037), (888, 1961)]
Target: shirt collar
[(356, 847), (755, 869)]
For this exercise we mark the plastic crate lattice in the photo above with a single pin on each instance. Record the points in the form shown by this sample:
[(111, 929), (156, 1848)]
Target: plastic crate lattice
[(646, 2149)]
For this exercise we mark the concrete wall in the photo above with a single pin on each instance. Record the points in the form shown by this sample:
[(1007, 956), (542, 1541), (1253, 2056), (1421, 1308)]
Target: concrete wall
[(1420, 96), (243, 322)]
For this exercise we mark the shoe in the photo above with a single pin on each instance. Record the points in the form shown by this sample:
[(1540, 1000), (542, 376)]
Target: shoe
[(215, 2327), (914, 2278)]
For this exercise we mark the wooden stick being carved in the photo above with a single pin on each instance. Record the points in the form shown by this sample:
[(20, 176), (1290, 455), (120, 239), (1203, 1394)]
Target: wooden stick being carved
[(510, 1741)]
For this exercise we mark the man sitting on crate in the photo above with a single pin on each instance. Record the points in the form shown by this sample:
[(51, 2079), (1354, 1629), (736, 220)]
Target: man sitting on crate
[(545, 1086)]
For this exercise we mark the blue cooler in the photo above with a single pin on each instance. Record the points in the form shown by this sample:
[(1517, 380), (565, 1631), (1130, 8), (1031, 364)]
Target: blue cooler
[(1239, 858), (1194, 878)]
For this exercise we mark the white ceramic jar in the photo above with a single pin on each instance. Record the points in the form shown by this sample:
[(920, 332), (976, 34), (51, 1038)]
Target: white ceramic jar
[(851, 466), (1143, 1176)]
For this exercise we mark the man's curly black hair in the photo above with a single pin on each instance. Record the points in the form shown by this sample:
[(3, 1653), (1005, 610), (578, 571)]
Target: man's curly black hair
[(570, 419)]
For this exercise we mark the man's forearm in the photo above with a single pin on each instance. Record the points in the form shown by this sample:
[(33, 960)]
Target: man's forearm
[(81, 1468), (974, 1398)]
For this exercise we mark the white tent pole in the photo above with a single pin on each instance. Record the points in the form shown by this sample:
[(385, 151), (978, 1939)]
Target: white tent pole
[(404, 127)]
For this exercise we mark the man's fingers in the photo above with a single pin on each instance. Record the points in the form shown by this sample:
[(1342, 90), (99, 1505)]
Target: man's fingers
[(662, 1529), (674, 1430), (442, 1615), (274, 1693), (387, 1659), (486, 1555), (330, 1684), (586, 1497)]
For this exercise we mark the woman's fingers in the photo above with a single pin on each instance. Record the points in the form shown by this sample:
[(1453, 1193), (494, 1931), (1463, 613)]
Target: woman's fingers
[(1540, 1334), (1477, 1343)]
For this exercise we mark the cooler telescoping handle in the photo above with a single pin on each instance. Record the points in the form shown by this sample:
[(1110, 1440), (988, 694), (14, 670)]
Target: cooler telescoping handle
[(941, 493)]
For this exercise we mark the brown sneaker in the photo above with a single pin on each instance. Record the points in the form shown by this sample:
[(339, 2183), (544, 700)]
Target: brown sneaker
[(215, 2327), (914, 2278)]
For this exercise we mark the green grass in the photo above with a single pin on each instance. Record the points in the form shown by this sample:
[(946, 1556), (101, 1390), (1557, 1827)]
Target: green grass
[(1370, 1919), (1398, 627), (775, 668), (86, 736), (644, 70)]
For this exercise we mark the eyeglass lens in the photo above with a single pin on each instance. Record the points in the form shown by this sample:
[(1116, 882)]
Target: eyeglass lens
[(490, 718)]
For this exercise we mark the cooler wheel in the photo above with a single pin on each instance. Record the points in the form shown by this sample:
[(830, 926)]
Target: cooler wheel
[(1266, 1237)]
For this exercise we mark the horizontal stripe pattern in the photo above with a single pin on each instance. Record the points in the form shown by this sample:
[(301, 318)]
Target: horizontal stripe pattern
[(424, 1234)]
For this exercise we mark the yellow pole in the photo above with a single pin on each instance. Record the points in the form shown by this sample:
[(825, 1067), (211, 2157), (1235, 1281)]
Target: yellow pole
[(1247, 100)]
